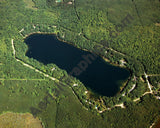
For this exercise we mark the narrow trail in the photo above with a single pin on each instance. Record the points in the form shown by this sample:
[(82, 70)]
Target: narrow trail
[(138, 14), (152, 125), (74, 5), (14, 52), (137, 99), (116, 105), (133, 87), (14, 79), (116, 51), (120, 105), (105, 46), (36, 70), (153, 75), (54, 79), (29, 66), (149, 85), (84, 36)]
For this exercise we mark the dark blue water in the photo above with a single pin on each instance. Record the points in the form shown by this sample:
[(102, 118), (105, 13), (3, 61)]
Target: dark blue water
[(92, 70)]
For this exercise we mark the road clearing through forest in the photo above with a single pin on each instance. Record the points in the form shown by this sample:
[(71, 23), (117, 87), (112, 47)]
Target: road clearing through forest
[(54, 79), (14, 79), (29, 66), (149, 85)]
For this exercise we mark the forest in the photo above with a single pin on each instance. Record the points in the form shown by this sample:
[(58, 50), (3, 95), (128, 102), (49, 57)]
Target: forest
[(119, 31)]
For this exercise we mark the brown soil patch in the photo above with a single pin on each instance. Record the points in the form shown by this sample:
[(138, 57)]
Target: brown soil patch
[(18, 120), (157, 125), (157, 24)]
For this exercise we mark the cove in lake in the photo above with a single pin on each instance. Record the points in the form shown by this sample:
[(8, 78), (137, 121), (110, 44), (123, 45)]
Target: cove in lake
[(99, 76)]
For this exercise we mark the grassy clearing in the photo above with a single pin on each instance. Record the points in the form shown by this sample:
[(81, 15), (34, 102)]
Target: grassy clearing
[(30, 4), (17, 120)]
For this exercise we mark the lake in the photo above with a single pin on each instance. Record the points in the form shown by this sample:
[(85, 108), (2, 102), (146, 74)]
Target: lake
[(96, 74)]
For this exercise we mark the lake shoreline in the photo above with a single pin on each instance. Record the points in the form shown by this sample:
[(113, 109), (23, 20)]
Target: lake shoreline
[(122, 85)]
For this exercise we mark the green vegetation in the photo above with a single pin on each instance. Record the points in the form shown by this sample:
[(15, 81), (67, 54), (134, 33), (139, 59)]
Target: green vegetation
[(90, 25), (10, 120)]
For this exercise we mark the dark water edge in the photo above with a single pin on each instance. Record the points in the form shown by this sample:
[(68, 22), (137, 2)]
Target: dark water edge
[(96, 74)]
